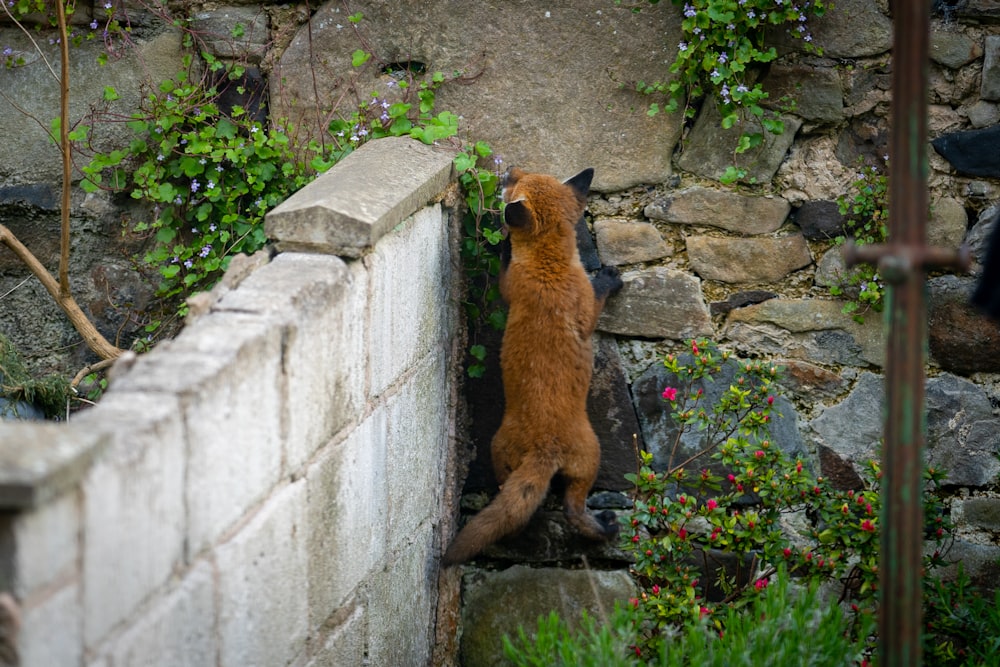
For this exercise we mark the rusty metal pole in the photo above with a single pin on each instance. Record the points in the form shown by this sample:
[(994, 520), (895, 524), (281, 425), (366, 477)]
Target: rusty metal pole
[(902, 506), (902, 263)]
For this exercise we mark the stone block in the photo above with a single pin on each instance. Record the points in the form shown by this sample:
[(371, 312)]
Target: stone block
[(39, 461), (990, 89), (586, 116), (657, 303), (263, 583), (320, 302), (52, 629), (629, 242), (416, 447), (46, 545), (27, 150), (710, 149), (177, 629), (133, 507), (810, 329), (953, 49), (747, 260), (360, 199), (216, 28), (347, 519), (403, 597), (815, 91), (721, 208), (497, 603), (412, 303), (345, 645), (226, 371)]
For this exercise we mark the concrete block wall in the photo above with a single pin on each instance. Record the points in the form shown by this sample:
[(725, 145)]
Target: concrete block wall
[(269, 487)]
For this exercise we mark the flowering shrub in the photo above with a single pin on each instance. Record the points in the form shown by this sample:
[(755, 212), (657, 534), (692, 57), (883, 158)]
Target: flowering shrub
[(866, 206), (722, 47), (705, 541)]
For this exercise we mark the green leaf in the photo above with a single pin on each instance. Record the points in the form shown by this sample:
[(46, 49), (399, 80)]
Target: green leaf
[(360, 57), (110, 94)]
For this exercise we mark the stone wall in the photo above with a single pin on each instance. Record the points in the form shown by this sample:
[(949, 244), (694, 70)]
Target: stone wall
[(551, 89), (272, 486)]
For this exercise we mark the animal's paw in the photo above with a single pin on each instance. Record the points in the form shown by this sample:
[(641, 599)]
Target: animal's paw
[(607, 281)]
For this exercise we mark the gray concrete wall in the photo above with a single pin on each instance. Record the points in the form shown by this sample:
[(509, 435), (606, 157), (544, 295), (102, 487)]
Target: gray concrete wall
[(267, 488)]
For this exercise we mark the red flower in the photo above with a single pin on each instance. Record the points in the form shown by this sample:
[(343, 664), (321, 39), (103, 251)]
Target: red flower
[(711, 504), (770, 400), (670, 394), (760, 584)]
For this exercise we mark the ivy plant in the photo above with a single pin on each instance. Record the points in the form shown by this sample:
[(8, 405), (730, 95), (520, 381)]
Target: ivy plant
[(718, 59)]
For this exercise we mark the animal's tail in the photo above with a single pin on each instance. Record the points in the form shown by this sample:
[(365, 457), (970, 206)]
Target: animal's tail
[(509, 512)]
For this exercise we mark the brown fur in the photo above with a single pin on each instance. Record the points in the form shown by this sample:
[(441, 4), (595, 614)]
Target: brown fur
[(546, 361)]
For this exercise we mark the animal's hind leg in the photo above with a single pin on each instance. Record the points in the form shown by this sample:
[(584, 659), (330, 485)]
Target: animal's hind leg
[(580, 475)]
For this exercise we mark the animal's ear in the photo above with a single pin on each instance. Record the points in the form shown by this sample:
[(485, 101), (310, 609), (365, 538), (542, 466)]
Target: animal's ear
[(516, 214), (581, 182)]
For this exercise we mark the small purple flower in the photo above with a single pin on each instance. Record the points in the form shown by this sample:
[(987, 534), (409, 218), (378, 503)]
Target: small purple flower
[(363, 132), (742, 89), (751, 14), (178, 201), (204, 251), (715, 74), (683, 46), (723, 58), (689, 11), (7, 51), (195, 185), (188, 263), (93, 24), (211, 184), (384, 117), (160, 158), (219, 168), (212, 227), (107, 5), (385, 105)]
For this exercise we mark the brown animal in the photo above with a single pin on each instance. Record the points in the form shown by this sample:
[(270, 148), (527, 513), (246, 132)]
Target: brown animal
[(546, 360)]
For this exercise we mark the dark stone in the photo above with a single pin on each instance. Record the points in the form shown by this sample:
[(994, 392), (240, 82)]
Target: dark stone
[(961, 339), (963, 435), (820, 220), (809, 382), (982, 513), (39, 195), (484, 398), (981, 562), (970, 11), (612, 415), (838, 472), (740, 300), (248, 91), (972, 152)]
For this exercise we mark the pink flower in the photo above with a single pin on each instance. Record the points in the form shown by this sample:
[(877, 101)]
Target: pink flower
[(670, 394), (868, 526), (760, 584), (770, 400), (694, 348), (711, 504)]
